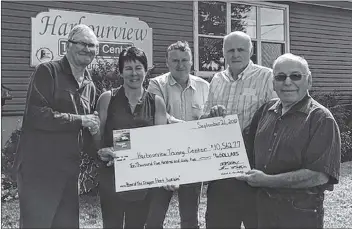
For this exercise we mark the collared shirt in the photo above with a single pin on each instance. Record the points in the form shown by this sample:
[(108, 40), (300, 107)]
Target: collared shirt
[(243, 96), (305, 137), (185, 104)]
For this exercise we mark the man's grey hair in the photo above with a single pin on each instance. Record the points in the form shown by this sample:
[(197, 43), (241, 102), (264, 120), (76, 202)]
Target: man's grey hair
[(239, 33), (290, 56), (80, 28), (179, 45)]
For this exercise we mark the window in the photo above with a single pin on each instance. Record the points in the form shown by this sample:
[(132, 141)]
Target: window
[(265, 23)]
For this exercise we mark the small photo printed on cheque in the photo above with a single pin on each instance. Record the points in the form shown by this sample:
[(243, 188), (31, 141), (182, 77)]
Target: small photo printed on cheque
[(122, 140)]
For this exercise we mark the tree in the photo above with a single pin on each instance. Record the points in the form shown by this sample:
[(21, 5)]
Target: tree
[(212, 21)]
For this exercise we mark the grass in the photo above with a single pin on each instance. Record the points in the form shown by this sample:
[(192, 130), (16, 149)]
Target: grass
[(338, 207)]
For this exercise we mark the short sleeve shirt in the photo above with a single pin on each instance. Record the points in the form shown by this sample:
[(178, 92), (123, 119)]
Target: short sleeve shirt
[(243, 96), (185, 104), (305, 137)]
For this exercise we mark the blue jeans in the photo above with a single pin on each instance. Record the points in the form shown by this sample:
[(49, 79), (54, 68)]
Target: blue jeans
[(188, 197), (304, 211)]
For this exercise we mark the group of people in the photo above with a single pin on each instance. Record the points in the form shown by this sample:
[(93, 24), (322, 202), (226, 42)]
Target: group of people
[(292, 142)]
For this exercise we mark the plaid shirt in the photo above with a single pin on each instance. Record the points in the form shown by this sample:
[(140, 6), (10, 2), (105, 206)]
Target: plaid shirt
[(243, 96)]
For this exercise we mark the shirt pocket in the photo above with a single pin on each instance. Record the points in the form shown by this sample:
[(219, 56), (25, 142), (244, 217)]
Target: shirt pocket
[(248, 103)]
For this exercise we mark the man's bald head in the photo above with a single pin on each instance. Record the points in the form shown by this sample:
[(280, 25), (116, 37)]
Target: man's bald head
[(238, 35), (292, 78), (295, 58), (237, 51)]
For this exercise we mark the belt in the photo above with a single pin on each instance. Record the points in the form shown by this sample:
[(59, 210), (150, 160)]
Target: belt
[(291, 195)]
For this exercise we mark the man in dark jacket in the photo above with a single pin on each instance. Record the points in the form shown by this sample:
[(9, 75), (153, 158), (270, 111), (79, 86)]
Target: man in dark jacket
[(58, 116)]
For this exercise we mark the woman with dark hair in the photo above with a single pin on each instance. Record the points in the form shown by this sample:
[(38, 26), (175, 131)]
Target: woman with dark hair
[(129, 106)]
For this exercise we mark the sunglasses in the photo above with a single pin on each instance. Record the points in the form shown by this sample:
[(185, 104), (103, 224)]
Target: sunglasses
[(82, 44), (293, 76)]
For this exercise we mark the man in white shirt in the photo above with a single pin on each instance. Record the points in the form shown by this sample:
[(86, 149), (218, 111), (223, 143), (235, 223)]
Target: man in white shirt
[(240, 89), (184, 95)]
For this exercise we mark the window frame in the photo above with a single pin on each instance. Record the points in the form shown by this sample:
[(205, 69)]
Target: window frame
[(258, 40)]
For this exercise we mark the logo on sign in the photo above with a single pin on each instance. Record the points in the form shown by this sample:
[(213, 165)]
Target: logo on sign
[(44, 55)]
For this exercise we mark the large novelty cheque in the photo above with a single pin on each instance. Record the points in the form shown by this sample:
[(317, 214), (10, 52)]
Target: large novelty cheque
[(189, 152)]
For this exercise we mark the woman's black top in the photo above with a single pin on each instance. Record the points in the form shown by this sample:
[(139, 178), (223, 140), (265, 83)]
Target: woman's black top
[(120, 116)]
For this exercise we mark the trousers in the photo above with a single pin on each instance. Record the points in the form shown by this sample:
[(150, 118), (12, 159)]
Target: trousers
[(119, 210), (293, 212), (229, 203), (188, 197), (48, 200)]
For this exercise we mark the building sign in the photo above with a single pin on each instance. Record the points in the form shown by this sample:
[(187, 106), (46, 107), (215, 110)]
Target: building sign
[(115, 33)]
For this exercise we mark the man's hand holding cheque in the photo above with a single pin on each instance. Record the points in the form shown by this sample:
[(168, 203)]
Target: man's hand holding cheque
[(215, 111), (255, 178)]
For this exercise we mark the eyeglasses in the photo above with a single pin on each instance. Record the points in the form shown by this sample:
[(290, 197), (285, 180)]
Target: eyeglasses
[(82, 44), (283, 76)]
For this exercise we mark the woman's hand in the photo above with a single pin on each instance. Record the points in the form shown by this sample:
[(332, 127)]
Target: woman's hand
[(107, 155)]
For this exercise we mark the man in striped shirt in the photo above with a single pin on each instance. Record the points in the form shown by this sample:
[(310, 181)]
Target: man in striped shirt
[(241, 89)]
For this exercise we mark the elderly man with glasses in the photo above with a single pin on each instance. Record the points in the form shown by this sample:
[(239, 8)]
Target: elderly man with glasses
[(296, 145), (57, 123)]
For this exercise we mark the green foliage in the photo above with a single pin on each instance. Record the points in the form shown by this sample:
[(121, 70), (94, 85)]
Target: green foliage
[(212, 17), (87, 180), (343, 117), (212, 21), (106, 75), (346, 146), (8, 180)]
